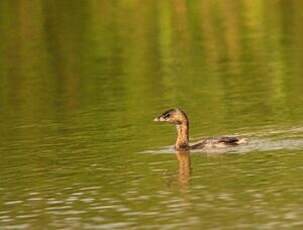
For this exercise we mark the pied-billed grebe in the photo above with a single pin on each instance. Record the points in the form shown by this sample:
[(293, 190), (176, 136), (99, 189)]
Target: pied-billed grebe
[(179, 118)]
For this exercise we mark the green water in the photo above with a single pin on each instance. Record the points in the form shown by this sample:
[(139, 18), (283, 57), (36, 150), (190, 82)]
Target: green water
[(81, 81)]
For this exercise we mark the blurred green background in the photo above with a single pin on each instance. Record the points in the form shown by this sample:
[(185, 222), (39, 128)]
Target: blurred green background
[(80, 82)]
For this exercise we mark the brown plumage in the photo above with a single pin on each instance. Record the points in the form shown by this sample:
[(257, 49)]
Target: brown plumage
[(180, 120)]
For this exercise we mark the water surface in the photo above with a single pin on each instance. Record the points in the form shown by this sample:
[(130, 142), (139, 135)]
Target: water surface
[(81, 82)]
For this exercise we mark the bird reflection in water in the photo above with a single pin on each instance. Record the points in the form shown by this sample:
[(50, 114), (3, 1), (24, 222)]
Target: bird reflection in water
[(184, 173)]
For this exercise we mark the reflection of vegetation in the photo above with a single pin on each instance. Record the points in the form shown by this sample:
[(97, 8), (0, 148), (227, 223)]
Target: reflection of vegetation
[(163, 48), (85, 78), (57, 56)]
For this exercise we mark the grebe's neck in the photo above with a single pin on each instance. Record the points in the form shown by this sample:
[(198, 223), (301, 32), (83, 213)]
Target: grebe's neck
[(182, 136)]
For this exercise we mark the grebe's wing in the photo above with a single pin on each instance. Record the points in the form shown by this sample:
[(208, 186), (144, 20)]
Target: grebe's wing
[(233, 140), (218, 142), (213, 141), (228, 140)]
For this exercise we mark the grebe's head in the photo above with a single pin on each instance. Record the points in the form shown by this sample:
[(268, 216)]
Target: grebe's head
[(173, 116)]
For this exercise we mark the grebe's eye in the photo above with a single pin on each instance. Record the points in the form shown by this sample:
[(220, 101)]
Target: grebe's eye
[(166, 116)]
